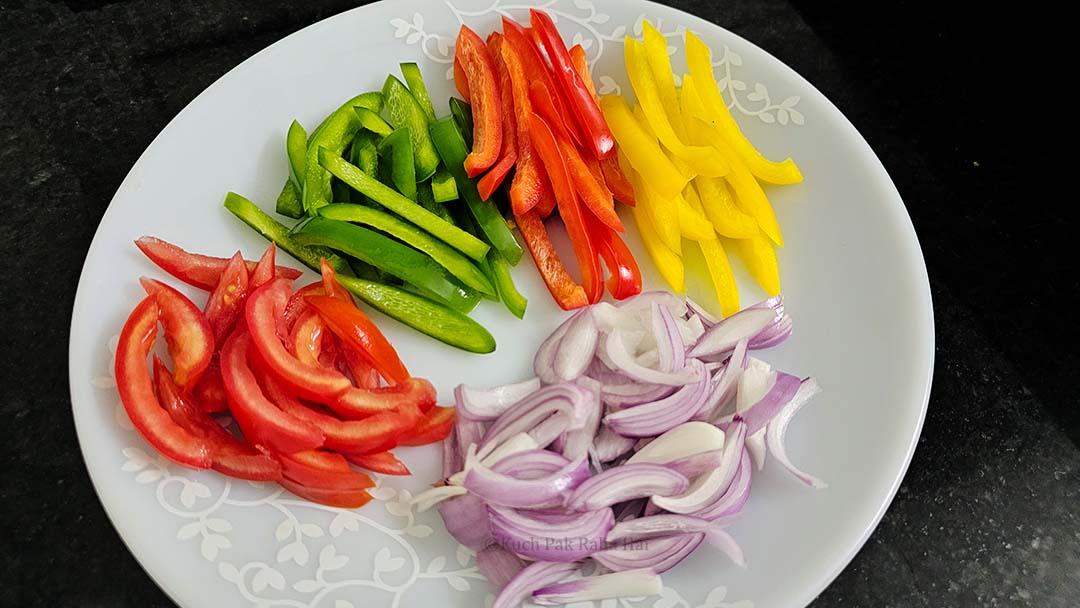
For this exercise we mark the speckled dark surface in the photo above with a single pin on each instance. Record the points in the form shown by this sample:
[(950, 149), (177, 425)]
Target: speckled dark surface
[(987, 515)]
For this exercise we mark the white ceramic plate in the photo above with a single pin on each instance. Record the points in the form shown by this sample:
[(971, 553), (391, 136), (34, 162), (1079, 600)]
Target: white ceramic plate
[(853, 277)]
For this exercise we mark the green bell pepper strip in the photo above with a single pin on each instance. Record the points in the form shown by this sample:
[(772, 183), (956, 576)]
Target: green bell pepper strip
[(389, 198), (372, 121), (335, 135), (278, 233), (398, 147), (504, 284), (371, 99), (470, 297), (434, 319), (296, 148), (463, 218), (369, 272), (419, 91), (446, 256), (444, 186), (462, 115), (365, 155), (427, 200), (451, 147), (288, 202), (384, 253), (405, 112)]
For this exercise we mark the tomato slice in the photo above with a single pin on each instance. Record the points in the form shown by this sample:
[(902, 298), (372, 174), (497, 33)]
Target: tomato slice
[(321, 469), (306, 338), (363, 372), (262, 312), (202, 271), (435, 426), (264, 271), (137, 392), (331, 287), (352, 498), (187, 332), (382, 462), (355, 329), (297, 303), (226, 301), (358, 403), (208, 394), (260, 419), (231, 456)]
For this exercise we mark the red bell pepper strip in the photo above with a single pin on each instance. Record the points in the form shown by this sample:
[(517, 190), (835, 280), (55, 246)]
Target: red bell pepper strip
[(352, 498), (625, 276), (209, 392), (231, 456), (187, 333), (226, 302), (479, 67), (358, 403), (461, 81), (355, 329), (264, 271), (435, 426), (584, 249), (536, 67), (581, 66), (137, 392), (568, 294), (202, 271), (264, 306), (381, 462), (353, 436), (262, 421), (546, 206), (306, 338), (509, 154), (617, 182), (320, 469), (530, 178), (543, 98), (363, 373), (586, 111)]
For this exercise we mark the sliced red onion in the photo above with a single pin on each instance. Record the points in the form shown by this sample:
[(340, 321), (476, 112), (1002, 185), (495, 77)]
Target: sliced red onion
[(697, 464), (534, 576), (723, 336), (626, 482), (541, 492), (518, 443), (620, 396), (632, 583), (555, 541), (576, 442), (727, 544), (660, 416), (755, 446), (568, 399), (452, 460), (498, 565), (433, 496), (609, 445), (548, 432), (489, 404), (759, 413), (695, 309), (756, 380), (620, 358), (691, 329), (631, 509), (649, 359), (530, 464), (685, 440), (466, 519), (657, 526), (707, 488), (732, 501), (660, 554), (644, 301), (777, 429), (671, 352), (725, 384), (544, 362), (577, 347), (467, 432)]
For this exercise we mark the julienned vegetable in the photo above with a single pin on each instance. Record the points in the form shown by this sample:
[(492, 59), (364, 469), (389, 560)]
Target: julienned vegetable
[(314, 344), (644, 422)]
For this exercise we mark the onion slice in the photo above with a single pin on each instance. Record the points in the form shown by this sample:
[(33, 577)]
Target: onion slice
[(534, 576), (530, 464), (489, 404), (660, 554), (654, 418), (577, 347), (684, 440), (615, 348), (626, 482), (554, 539), (499, 489), (568, 399), (723, 336), (777, 429), (707, 488), (631, 583), (657, 526), (466, 519), (498, 565)]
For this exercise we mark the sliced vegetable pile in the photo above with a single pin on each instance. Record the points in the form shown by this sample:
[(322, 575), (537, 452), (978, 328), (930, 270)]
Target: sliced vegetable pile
[(535, 112), (693, 171), (634, 443), (311, 382)]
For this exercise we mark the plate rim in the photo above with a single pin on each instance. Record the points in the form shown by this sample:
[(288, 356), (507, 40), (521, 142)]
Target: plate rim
[(927, 328)]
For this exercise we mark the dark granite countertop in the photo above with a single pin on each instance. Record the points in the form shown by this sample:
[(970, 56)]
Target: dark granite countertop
[(987, 515)]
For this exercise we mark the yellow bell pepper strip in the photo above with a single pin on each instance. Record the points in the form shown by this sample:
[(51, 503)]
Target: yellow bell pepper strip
[(664, 217), (640, 149), (692, 223), (719, 205), (759, 256), (667, 261), (683, 168), (703, 160), (723, 280), (748, 193), (699, 59), (660, 64)]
